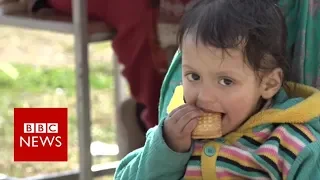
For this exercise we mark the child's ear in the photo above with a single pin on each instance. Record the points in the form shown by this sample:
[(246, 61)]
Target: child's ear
[(271, 83)]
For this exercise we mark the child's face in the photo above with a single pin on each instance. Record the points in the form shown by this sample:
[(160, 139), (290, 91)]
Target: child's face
[(219, 82)]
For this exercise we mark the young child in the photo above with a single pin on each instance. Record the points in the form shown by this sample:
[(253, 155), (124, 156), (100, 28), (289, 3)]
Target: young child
[(233, 60)]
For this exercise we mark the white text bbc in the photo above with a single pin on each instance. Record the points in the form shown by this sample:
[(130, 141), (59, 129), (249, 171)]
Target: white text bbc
[(40, 127)]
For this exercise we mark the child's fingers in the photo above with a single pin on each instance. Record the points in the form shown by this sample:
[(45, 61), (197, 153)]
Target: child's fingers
[(187, 117), (188, 128), (182, 111), (177, 109)]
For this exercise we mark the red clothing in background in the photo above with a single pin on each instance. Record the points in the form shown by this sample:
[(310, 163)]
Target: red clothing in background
[(135, 44)]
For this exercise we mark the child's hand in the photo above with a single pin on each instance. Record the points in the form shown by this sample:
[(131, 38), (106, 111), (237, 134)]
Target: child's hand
[(179, 126)]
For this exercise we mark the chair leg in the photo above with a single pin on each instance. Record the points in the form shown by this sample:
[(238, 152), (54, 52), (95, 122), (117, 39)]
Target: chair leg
[(130, 136), (119, 91), (83, 88)]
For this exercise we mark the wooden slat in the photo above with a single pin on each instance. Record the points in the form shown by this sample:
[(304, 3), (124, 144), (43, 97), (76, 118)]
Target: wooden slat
[(80, 22), (98, 31)]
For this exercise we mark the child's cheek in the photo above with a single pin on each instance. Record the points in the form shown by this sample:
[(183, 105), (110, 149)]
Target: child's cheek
[(190, 93), (238, 108)]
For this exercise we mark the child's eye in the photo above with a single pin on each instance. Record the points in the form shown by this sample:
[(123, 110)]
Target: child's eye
[(193, 77), (225, 82)]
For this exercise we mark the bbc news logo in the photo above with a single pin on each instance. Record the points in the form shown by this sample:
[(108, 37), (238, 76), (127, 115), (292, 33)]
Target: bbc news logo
[(40, 134), (40, 127), (39, 140)]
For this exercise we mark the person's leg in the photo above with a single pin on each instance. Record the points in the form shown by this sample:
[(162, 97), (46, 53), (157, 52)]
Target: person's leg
[(137, 48)]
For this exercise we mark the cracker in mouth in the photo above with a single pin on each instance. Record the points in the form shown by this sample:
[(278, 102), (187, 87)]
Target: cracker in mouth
[(209, 126)]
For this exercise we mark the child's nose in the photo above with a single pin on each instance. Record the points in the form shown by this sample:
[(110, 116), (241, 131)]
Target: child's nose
[(207, 94), (208, 101)]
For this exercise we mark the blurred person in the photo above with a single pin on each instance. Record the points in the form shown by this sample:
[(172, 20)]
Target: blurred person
[(135, 43)]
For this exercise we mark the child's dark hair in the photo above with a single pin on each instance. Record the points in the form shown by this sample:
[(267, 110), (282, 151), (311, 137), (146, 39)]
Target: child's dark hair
[(257, 24)]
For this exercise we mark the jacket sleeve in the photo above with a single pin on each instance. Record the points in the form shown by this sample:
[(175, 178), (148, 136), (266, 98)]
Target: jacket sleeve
[(153, 161), (307, 164)]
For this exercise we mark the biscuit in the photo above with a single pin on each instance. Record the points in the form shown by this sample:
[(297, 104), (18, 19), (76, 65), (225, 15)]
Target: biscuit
[(209, 127)]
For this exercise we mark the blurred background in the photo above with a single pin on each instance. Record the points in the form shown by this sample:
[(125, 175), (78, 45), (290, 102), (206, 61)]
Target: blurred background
[(37, 70)]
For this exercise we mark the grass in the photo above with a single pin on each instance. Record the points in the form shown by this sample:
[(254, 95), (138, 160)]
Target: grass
[(37, 71), (37, 79)]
